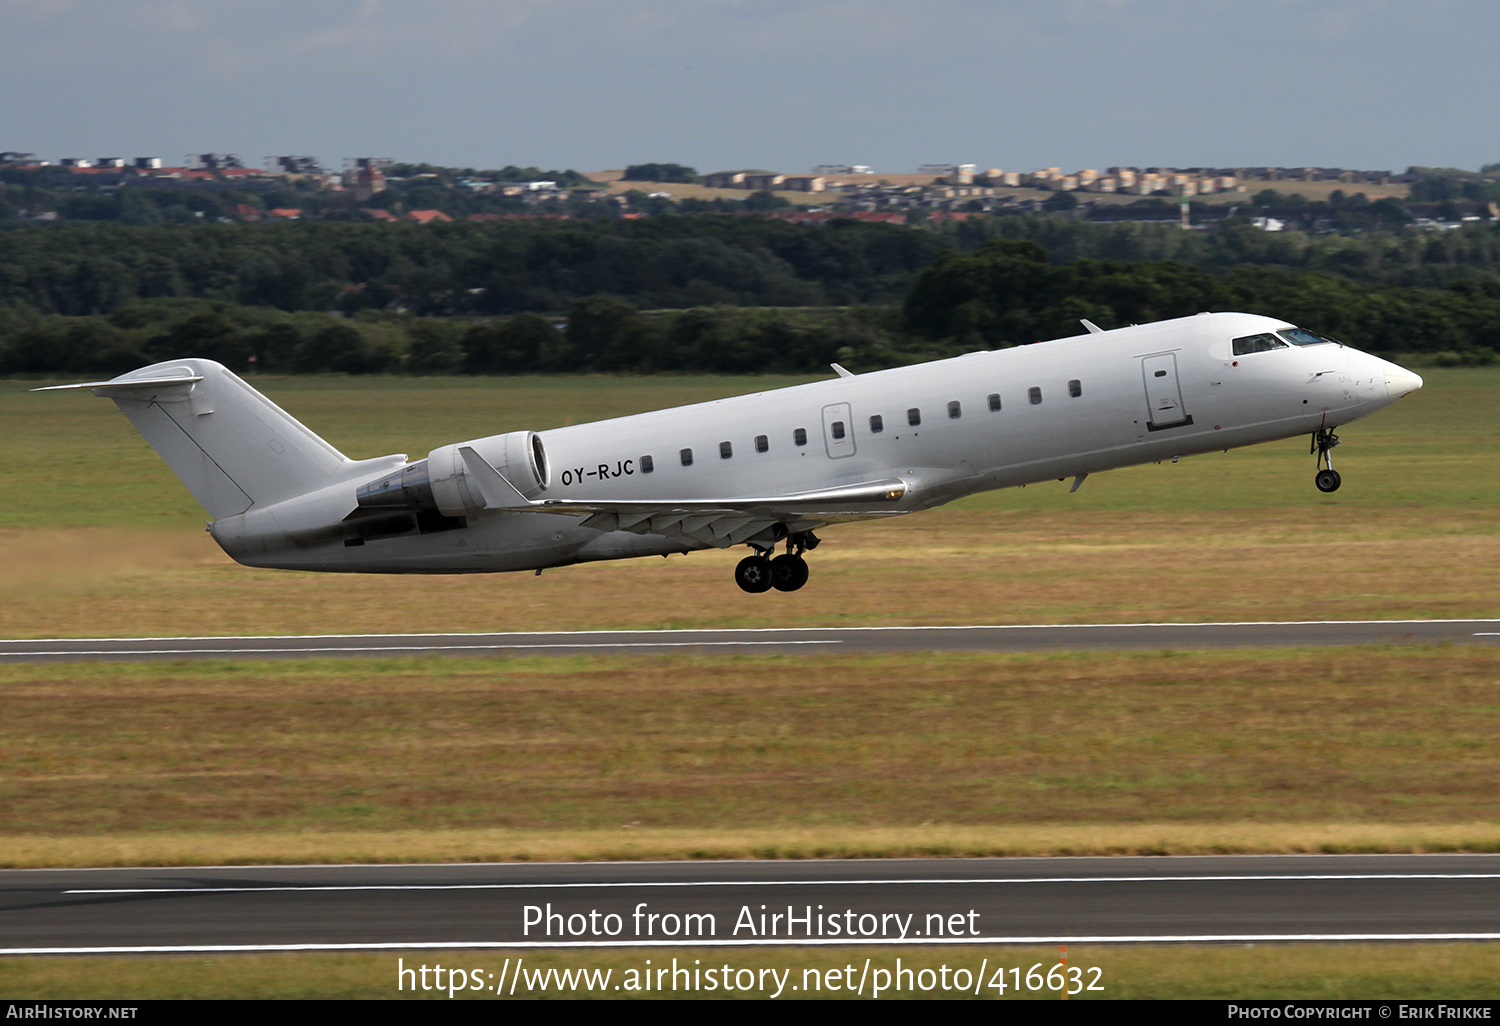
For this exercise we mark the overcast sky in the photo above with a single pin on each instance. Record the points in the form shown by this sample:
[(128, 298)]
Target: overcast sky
[(782, 84)]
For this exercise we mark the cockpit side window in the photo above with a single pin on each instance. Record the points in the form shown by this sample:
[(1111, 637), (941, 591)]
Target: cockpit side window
[(1263, 343), (1303, 337)]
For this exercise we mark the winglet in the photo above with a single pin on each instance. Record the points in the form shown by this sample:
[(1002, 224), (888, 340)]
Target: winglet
[(841, 371), (1094, 329)]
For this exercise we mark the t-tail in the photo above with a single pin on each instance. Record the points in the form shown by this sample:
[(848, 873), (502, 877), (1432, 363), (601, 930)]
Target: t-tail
[(233, 448)]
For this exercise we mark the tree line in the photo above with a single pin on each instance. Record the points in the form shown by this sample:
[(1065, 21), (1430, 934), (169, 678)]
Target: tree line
[(463, 269), (508, 267), (1408, 257), (597, 333), (1005, 293), (1010, 292)]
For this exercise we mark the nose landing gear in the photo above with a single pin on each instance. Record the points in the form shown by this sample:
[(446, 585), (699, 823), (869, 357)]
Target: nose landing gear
[(1323, 443), (787, 572)]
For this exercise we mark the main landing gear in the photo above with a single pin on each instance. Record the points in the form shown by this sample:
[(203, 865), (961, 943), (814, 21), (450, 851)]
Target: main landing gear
[(786, 572), (1323, 442)]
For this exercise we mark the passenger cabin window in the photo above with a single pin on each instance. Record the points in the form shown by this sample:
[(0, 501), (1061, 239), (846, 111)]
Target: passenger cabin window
[(762, 443), (994, 402), (877, 424), (1303, 337), (955, 410), (687, 457), (647, 464), (726, 450), (1075, 388), (800, 436), (1262, 343), (914, 416), (838, 429), (1035, 394)]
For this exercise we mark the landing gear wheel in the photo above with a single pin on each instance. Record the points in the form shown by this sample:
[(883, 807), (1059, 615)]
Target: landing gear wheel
[(753, 574), (1323, 443), (788, 572)]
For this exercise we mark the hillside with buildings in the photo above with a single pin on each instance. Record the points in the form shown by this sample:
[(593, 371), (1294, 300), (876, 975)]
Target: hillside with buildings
[(223, 187)]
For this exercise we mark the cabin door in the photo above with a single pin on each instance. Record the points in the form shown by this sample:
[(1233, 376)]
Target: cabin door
[(838, 430), (1163, 393)]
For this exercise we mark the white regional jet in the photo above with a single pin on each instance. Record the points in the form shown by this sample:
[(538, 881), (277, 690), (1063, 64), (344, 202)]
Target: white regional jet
[(757, 470)]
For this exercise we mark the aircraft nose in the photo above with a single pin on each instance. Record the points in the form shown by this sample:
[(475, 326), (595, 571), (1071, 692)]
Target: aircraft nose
[(1400, 382)]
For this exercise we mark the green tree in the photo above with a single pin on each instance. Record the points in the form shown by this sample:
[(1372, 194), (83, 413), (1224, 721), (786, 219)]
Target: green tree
[(209, 335), (434, 346), (660, 173), (513, 346), (604, 333), (765, 200)]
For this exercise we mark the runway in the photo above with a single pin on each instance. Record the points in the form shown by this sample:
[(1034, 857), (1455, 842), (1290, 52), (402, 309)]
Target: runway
[(722, 904), (991, 638)]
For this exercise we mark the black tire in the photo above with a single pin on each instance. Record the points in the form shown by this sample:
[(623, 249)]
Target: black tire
[(753, 574), (1328, 480), (788, 572)]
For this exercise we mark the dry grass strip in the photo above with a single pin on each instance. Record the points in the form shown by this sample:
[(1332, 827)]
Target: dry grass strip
[(745, 756), (495, 845)]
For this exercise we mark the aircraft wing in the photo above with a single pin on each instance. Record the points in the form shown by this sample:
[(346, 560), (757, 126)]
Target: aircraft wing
[(720, 522)]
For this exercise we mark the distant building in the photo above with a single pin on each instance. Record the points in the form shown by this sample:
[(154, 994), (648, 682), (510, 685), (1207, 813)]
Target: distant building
[(725, 180), (12, 157), (804, 183), (353, 164), (763, 180), (426, 216), (292, 164), (146, 163), (212, 161), (110, 162), (76, 162), (284, 214), (368, 181)]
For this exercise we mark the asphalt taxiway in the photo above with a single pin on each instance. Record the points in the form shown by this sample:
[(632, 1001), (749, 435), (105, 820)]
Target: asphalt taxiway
[(957, 901)]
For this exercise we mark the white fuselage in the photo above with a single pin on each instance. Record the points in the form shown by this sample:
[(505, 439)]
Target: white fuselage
[(1065, 408)]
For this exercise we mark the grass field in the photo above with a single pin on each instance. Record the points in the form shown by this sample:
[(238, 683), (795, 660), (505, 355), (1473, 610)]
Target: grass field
[(97, 537), (481, 759), (1293, 971), (1369, 749)]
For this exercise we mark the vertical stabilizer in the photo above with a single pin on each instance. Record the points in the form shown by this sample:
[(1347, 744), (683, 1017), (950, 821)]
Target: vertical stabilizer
[(231, 446)]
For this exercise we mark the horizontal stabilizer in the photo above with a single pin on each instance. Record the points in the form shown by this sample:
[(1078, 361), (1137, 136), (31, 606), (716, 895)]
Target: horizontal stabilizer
[(231, 446), (127, 387)]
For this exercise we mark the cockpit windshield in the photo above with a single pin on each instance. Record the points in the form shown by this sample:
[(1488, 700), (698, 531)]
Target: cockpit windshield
[(1262, 343), (1303, 337)]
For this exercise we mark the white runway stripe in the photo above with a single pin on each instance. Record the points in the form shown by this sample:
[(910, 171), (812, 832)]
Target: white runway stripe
[(771, 630), (423, 648), (1208, 938)]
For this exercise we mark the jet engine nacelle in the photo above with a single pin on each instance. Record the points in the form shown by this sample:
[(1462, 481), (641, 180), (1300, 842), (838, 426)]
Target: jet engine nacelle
[(441, 481)]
